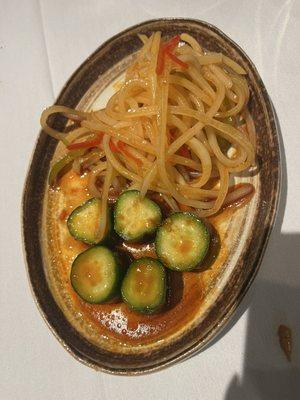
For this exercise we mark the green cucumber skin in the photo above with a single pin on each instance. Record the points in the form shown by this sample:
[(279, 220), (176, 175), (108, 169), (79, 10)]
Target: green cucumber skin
[(109, 235), (146, 310), (203, 253), (144, 236), (119, 271)]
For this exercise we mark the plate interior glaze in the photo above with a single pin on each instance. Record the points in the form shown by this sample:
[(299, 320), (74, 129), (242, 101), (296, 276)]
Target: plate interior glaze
[(110, 337)]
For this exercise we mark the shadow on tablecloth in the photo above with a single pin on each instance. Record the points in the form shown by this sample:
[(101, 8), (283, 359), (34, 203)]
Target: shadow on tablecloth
[(266, 372), (275, 300)]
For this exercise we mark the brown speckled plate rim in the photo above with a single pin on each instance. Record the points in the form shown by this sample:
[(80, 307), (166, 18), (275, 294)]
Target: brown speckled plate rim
[(53, 321)]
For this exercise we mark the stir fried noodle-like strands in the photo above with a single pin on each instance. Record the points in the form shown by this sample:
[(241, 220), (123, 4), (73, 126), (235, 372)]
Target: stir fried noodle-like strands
[(178, 125)]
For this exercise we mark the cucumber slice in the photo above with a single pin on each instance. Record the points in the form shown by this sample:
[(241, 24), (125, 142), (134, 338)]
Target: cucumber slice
[(135, 217), (144, 286), (83, 222), (96, 275), (182, 241)]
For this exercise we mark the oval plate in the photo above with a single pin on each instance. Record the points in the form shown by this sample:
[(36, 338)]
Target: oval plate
[(244, 233)]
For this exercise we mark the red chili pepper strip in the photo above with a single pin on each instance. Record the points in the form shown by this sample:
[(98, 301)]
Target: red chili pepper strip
[(184, 151), (86, 144), (160, 62), (172, 43), (169, 46), (120, 147), (123, 147), (177, 60), (164, 51), (113, 147)]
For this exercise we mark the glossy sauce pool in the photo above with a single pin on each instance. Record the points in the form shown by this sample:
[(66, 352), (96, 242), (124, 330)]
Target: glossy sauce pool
[(115, 323)]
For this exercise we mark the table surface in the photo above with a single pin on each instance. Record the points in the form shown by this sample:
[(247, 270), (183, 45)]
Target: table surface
[(41, 44)]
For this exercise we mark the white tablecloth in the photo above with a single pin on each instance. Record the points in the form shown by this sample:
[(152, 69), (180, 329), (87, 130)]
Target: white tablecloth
[(41, 43)]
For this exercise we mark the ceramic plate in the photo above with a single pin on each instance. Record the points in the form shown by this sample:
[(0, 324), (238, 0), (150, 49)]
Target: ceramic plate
[(109, 337)]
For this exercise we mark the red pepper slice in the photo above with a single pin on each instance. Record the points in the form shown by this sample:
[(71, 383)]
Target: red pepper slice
[(113, 147), (184, 151), (164, 51), (123, 147), (169, 46), (87, 143), (176, 60), (160, 62), (172, 43)]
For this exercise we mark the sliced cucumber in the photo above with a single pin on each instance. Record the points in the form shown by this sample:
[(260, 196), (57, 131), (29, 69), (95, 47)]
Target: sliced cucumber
[(96, 275), (182, 241), (144, 285), (83, 223), (136, 217)]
